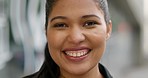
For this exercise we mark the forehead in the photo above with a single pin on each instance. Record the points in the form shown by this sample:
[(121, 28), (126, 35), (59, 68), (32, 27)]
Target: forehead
[(74, 2), (70, 7)]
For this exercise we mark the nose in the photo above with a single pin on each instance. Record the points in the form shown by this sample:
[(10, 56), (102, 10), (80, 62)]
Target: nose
[(76, 36)]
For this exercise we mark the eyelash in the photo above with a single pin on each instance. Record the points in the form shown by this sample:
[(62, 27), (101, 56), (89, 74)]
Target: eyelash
[(90, 23), (60, 25)]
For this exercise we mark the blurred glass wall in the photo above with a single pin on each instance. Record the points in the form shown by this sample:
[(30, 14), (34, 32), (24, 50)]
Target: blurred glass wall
[(5, 54), (22, 38), (126, 54)]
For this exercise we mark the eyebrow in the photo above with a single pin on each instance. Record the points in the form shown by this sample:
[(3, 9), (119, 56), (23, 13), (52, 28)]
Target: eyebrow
[(63, 17), (92, 15), (58, 17)]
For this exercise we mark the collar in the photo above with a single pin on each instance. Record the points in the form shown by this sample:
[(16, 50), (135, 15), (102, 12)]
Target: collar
[(104, 71)]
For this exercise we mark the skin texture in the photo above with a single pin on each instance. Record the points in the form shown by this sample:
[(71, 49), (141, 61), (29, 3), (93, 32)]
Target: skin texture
[(77, 24)]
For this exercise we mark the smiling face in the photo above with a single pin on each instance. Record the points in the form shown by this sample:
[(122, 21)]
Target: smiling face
[(77, 35)]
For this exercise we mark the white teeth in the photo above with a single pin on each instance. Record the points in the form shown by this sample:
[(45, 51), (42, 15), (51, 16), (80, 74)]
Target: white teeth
[(70, 54), (81, 53), (76, 53)]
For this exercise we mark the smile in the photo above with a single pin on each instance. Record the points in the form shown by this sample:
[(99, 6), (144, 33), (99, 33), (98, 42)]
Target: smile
[(78, 53)]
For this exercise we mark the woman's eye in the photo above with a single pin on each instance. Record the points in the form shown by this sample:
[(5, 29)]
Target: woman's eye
[(60, 25), (90, 23)]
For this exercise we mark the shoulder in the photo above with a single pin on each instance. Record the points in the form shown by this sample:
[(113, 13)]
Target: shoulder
[(32, 75), (38, 74)]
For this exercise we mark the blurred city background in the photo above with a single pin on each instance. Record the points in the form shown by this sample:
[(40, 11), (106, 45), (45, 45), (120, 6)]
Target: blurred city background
[(22, 38)]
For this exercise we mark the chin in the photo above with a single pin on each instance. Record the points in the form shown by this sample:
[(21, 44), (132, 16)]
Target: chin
[(78, 70)]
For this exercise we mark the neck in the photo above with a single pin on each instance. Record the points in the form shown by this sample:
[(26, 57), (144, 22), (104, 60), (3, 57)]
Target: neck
[(93, 73)]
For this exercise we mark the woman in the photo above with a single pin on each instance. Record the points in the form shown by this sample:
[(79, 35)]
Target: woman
[(76, 31)]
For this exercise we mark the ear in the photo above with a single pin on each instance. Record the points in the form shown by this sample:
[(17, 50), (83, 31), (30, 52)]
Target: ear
[(109, 30)]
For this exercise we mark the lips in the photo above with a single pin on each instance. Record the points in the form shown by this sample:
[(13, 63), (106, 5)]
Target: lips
[(76, 52)]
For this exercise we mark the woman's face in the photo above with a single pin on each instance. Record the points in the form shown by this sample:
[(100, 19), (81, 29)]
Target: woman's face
[(77, 35)]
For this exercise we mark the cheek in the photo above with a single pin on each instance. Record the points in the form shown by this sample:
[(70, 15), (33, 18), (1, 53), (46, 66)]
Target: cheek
[(98, 37), (99, 40), (52, 39), (54, 44), (55, 40), (98, 34)]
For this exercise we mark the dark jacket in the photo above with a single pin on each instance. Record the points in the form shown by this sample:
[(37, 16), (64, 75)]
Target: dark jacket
[(40, 74)]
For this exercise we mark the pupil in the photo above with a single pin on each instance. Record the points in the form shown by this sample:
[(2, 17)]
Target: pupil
[(90, 23)]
